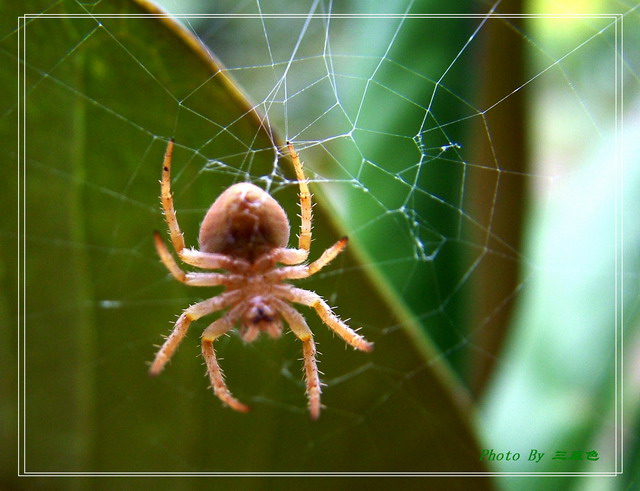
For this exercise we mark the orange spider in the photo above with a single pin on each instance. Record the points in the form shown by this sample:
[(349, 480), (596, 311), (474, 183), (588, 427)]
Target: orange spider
[(246, 232)]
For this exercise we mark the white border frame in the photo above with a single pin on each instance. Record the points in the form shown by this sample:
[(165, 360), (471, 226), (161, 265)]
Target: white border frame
[(618, 22)]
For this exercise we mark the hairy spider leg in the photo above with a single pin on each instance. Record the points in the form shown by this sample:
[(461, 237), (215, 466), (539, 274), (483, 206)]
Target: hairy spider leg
[(303, 270), (311, 299), (300, 328), (177, 239), (190, 314), (328, 255), (190, 278), (190, 256), (306, 215), (284, 255), (213, 260), (210, 334)]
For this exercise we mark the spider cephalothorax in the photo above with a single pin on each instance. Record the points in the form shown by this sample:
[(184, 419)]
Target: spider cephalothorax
[(245, 234)]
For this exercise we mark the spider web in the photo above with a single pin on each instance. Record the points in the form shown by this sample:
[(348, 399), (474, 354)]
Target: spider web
[(388, 131)]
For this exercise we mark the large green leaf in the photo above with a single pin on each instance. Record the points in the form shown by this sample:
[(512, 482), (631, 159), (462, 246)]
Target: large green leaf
[(101, 96)]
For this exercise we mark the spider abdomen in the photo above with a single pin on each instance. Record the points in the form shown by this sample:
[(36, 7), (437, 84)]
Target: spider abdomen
[(244, 222)]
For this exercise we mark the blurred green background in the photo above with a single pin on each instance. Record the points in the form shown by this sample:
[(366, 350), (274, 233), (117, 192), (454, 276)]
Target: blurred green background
[(479, 166)]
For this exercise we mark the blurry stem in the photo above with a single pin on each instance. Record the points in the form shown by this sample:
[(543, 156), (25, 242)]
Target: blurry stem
[(78, 273), (496, 191)]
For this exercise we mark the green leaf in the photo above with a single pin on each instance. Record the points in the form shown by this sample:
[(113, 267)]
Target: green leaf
[(101, 96)]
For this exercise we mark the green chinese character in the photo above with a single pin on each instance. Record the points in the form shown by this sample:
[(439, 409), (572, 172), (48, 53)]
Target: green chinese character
[(592, 455)]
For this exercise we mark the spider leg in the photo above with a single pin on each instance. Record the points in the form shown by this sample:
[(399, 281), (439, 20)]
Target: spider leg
[(193, 279), (306, 215), (303, 271), (189, 256), (311, 299), (328, 256), (190, 314), (300, 328), (210, 334), (288, 256), (213, 260), (177, 239)]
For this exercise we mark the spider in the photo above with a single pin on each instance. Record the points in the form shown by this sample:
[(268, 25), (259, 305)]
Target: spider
[(245, 233)]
